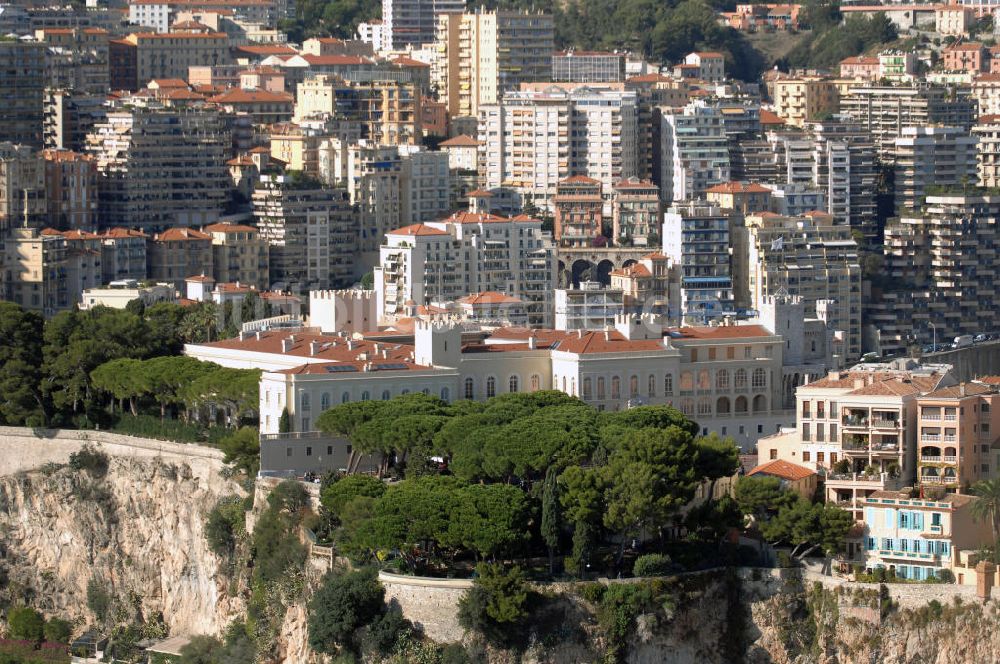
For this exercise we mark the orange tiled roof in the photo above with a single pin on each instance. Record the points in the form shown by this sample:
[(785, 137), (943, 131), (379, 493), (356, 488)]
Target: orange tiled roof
[(783, 469), (738, 188), (228, 228), (488, 297), (238, 96), (180, 234), (417, 229), (461, 141)]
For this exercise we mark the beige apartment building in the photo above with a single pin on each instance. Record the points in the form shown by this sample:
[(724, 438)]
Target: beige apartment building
[(866, 417), (480, 55), (804, 99), (931, 157), (636, 213), (178, 253), (143, 56), (811, 257), (958, 435), (22, 188), (34, 271), (71, 189), (389, 111), (239, 254)]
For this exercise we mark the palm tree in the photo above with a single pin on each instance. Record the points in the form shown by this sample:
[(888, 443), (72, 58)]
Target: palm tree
[(988, 505)]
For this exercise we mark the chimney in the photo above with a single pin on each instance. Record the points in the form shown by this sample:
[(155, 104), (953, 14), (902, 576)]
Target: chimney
[(244, 335), (961, 389), (607, 335), (579, 334), (286, 344), (350, 344), (531, 343), (258, 335), (313, 347)]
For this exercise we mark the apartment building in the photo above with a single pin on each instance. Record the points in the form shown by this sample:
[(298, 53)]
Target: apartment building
[(310, 230), (23, 80), (987, 133), (811, 257), (941, 268), (918, 536), (884, 111), (636, 213), (579, 212), (718, 376), (70, 189), (534, 139), (413, 22), (958, 439), (23, 200), (711, 65), (35, 271), (160, 167), (123, 255), (388, 111), (442, 261), (68, 117), (426, 181), (263, 107), (804, 99), (481, 55), (795, 200), (953, 19), (239, 254), (694, 151), (178, 253), (590, 306), (866, 417), (463, 153), (77, 58), (966, 56), (83, 261), (932, 157), (986, 92), (143, 56), (697, 238), (745, 198), (588, 66), (651, 285)]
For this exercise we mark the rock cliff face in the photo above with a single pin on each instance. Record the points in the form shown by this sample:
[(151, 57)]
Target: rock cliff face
[(137, 530)]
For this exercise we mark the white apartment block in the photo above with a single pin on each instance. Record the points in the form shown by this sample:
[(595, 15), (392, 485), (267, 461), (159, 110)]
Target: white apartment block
[(480, 56), (695, 152), (987, 131), (442, 261), (150, 15), (724, 378), (589, 307), (373, 32), (534, 139), (412, 22), (929, 157)]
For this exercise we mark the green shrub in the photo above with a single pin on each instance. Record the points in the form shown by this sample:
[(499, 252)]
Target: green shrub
[(784, 559), (342, 605), (592, 592), (652, 564), (946, 576), (496, 605), (25, 623), (90, 460), (58, 630), (383, 634), (150, 426), (224, 524), (621, 605), (98, 599)]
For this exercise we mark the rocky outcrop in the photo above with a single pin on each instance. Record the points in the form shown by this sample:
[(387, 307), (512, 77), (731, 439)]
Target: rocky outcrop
[(138, 530)]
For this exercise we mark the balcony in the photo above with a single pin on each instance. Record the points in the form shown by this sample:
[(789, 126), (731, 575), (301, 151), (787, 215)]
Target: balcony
[(855, 422), (909, 555), (850, 481), (884, 423), (932, 529)]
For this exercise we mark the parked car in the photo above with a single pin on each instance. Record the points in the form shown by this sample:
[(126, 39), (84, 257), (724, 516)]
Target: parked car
[(980, 338), (963, 341)]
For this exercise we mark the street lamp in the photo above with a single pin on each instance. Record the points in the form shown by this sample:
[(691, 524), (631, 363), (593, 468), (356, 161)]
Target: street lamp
[(933, 337)]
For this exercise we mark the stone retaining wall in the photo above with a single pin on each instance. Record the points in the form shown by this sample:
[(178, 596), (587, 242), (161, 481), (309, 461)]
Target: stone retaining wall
[(23, 448), (430, 604)]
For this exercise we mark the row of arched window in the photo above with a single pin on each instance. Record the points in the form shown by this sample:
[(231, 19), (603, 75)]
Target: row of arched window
[(325, 400), (513, 385), (758, 380)]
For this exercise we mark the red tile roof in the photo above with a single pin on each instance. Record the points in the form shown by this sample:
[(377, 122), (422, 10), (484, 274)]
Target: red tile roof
[(180, 234), (579, 179), (336, 60), (238, 96), (228, 228), (783, 469), (417, 229), (738, 188), (461, 141), (489, 297)]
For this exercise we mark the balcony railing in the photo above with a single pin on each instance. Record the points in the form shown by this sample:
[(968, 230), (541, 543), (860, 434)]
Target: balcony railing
[(910, 555), (880, 423), (855, 422), (930, 438), (933, 479), (931, 458)]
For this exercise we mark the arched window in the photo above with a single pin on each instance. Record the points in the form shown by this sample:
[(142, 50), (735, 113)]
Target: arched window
[(616, 388), (722, 379), (365, 396), (385, 395), (722, 406), (668, 385), (586, 389), (704, 380), (445, 394), (704, 407), (491, 387), (345, 397), (759, 377), (426, 391), (470, 388), (513, 384), (741, 405), (564, 383), (687, 381), (600, 388), (536, 382), (404, 391), (741, 379), (687, 406), (572, 386), (651, 386), (324, 401), (306, 406), (633, 387)]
